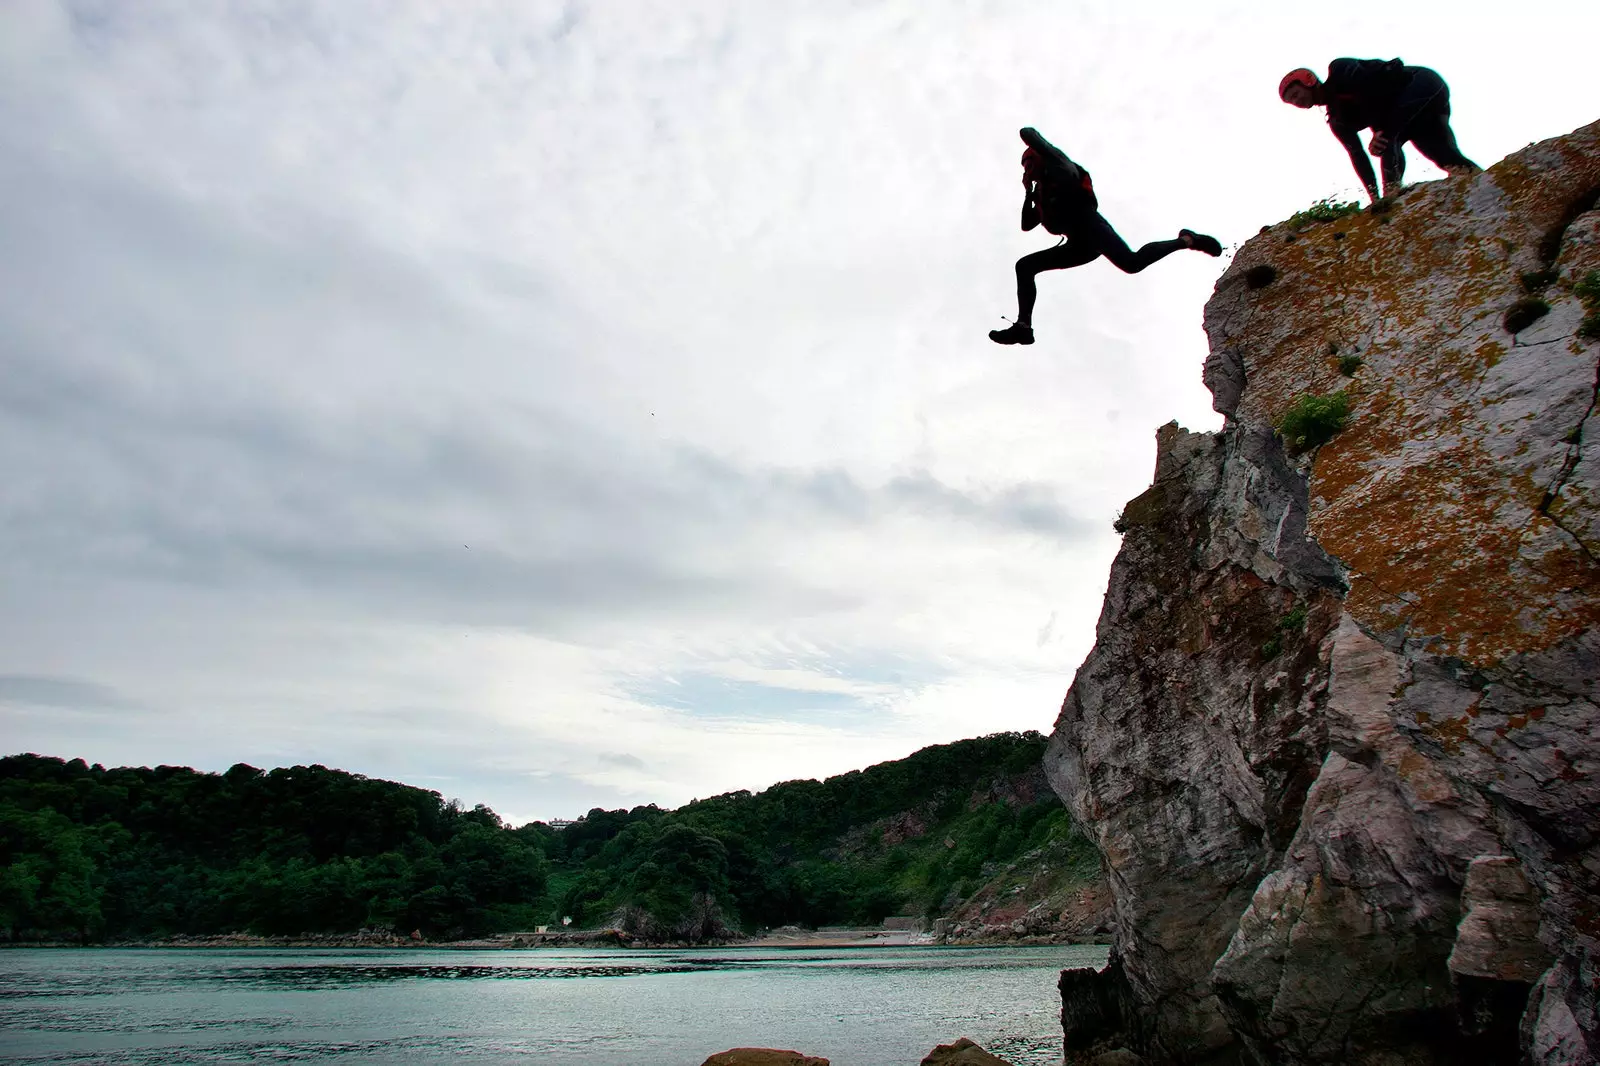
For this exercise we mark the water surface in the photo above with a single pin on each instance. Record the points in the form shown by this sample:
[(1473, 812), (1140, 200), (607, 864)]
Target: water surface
[(857, 1007)]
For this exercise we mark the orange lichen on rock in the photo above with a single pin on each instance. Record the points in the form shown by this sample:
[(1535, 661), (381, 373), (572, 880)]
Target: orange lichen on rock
[(1459, 497)]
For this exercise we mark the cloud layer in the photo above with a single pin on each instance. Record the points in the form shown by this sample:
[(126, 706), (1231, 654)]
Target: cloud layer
[(560, 410)]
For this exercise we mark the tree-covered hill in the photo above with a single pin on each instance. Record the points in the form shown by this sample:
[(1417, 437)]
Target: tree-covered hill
[(92, 853)]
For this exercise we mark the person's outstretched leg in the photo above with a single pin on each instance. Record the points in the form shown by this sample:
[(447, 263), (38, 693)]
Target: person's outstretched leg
[(1126, 259), (1073, 253)]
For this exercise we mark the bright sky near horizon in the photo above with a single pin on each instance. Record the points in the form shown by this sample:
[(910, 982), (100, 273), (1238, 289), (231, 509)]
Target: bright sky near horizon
[(564, 405)]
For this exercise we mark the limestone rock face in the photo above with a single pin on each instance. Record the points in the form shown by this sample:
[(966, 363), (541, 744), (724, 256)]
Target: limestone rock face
[(1339, 735)]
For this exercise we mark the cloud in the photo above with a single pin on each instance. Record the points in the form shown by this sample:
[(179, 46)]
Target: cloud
[(61, 692), (446, 395)]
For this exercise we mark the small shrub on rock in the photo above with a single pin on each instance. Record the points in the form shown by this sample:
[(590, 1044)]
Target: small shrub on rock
[(1349, 364), (1326, 209), (1588, 290), (1312, 421)]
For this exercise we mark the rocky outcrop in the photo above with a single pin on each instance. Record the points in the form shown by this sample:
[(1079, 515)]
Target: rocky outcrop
[(964, 1052), (1337, 740), (762, 1056), (1050, 895)]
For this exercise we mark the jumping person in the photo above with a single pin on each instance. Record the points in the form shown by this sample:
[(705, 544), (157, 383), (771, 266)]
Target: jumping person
[(1060, 196), (1398, 103)]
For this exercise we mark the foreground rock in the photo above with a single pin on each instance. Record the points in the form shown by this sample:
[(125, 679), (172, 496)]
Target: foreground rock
[(964, 1052), (1337, 740), (762, 1056)]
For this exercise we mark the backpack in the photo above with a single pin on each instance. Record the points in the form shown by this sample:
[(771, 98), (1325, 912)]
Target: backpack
[(1066, 192), (1065, 199), (1367, 80)]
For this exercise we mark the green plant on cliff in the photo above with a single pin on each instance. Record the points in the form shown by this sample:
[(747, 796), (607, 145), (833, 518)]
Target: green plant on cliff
[(1588, 290), (1312, 421), (1326, 209), (1292, 621), (1349, 364)]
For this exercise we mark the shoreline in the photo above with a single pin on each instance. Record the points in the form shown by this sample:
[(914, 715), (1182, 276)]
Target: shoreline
[(784, 938)]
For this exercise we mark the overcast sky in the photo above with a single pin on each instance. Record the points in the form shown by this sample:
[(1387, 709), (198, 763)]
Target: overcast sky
[(564, 405)]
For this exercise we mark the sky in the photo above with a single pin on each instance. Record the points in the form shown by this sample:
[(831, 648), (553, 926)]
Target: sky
[(571, 405)]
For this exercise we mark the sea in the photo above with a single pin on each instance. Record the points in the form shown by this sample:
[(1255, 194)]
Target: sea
[(867, 1006)]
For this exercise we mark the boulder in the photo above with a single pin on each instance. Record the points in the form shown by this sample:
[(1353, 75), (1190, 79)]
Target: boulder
[(961, 1053), (762, 1056)]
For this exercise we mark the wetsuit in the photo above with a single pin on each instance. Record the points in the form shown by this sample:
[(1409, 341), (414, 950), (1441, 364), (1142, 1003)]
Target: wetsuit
[(1402, 103), (1064, 201)]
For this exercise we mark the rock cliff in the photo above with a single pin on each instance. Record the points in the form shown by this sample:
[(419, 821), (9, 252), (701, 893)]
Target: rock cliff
[(1337, 740)]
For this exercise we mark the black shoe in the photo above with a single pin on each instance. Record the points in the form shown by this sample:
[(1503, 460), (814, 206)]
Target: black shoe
[(1200, 242), (1016, 333)]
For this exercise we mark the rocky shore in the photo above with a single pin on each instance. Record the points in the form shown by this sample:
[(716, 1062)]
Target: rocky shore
[(1003, 930)]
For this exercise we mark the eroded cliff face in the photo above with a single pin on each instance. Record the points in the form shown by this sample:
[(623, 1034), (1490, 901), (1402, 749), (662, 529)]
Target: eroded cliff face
[(1338, 737)]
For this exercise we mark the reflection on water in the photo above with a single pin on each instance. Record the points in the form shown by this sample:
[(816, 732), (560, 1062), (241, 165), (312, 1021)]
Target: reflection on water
[(878, 1005)]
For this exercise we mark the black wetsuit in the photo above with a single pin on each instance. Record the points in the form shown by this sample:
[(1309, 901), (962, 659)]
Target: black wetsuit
[(1402, 103), (1064, 201)]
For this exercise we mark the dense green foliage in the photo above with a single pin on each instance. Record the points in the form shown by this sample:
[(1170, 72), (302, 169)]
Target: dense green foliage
[(910, 836), (1312, 421), (89, 852)]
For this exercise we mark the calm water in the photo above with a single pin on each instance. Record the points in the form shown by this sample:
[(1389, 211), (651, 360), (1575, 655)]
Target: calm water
[(860, 1007)]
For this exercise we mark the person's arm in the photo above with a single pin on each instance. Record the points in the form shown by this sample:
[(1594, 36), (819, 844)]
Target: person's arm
[(1030, 209), (1033, 139), (1351, 140)]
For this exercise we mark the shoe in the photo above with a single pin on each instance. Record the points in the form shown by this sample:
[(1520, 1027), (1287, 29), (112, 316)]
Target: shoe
[(1200, 242), (1016, 333)]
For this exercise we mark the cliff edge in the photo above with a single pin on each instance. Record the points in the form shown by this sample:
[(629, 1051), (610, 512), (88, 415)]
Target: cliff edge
[(1337, 740)]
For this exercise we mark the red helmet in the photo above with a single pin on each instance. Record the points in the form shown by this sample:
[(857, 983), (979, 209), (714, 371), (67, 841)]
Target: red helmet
[(1302, 76)]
